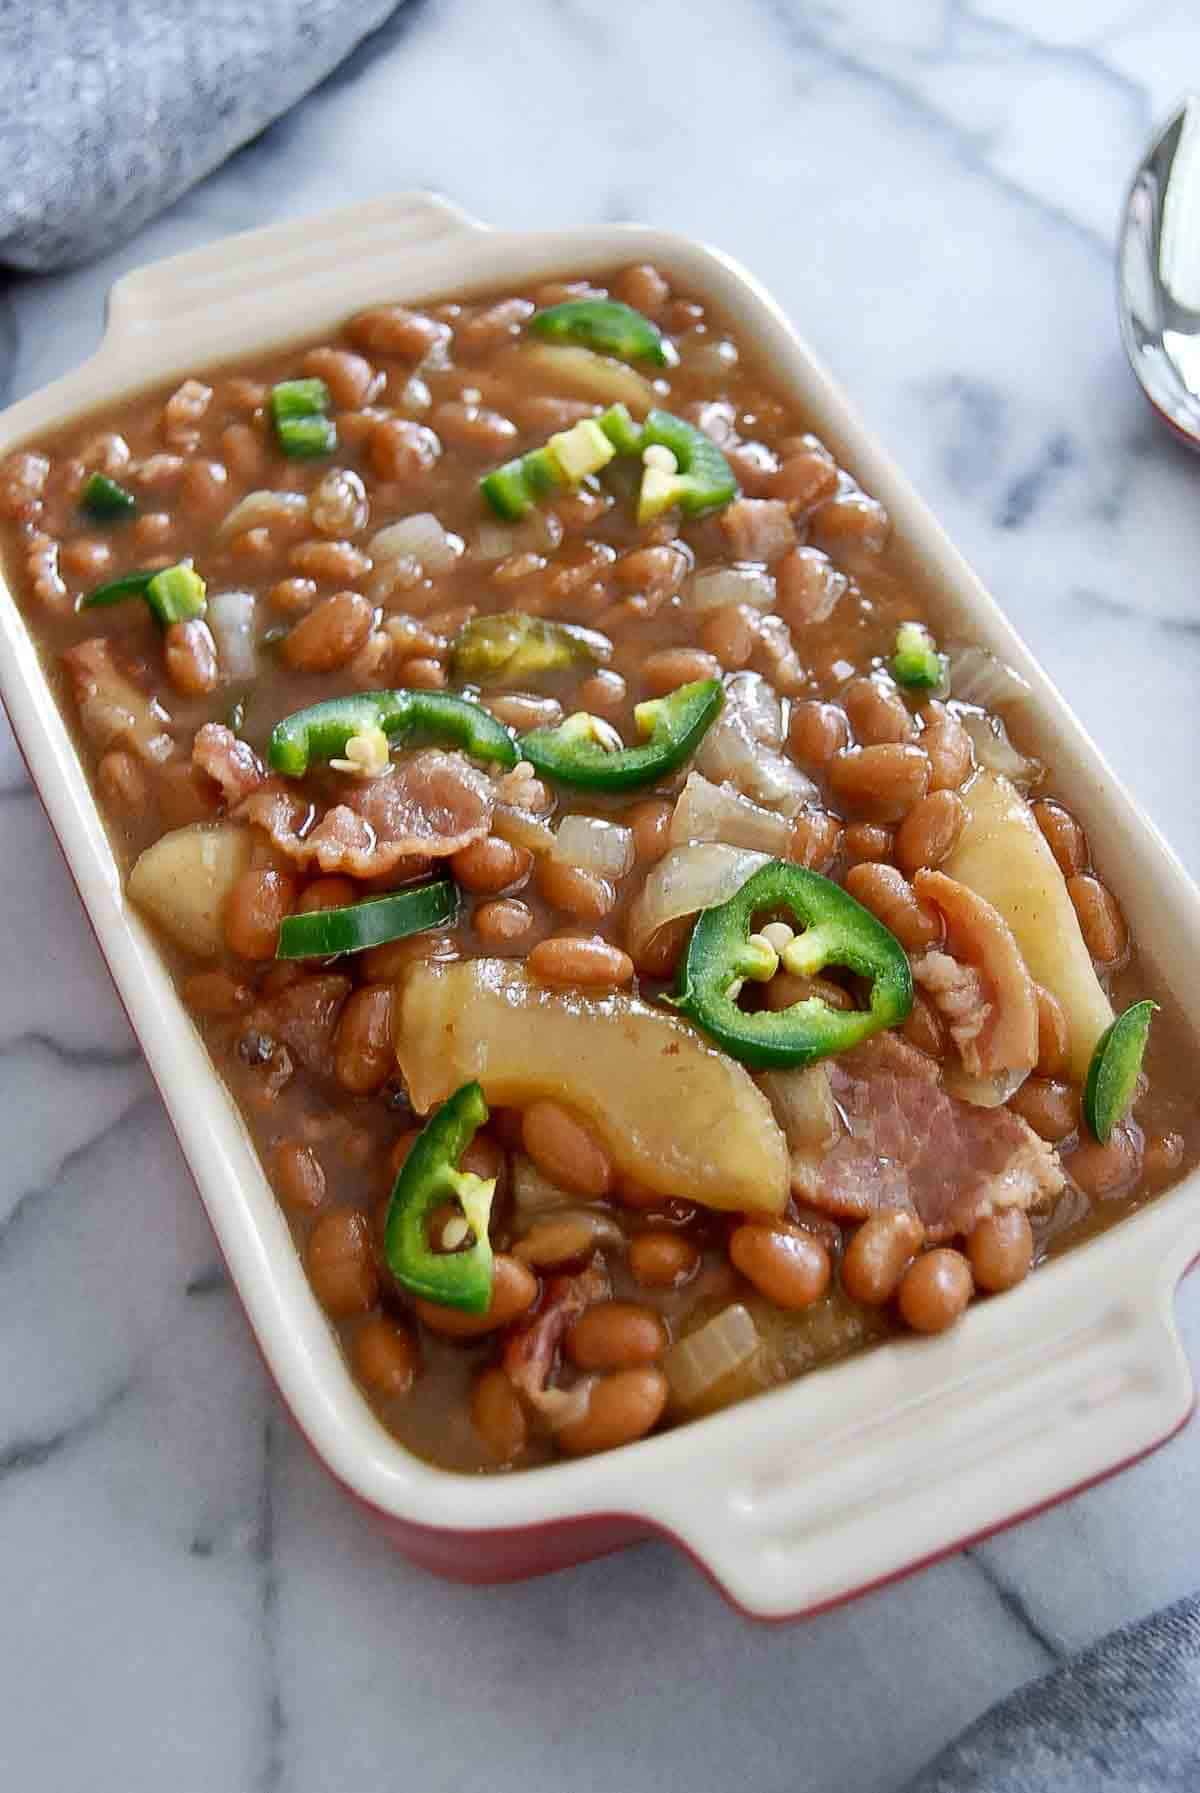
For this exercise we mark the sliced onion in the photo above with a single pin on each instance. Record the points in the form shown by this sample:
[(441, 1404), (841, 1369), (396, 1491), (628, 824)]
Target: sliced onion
[(415, 395), (231, 619), (995, 751), (567, 369), (686, 880), (977, 677), (266, 510), (982, 1092), (802, 1102), (534, 1194), (521, 829), (719, 586), (707, 811), (594, 845), (743, 748), (725, 1347), (420, 538)]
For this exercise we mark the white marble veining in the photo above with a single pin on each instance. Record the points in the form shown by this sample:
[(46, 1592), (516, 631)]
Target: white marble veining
[(931, 188)]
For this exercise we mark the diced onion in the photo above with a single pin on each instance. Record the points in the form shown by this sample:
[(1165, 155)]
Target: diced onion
[(719, 586), (995, 751), (686, 880), (415, 395), (743, 748), (982, 1092), (520, 829), (594, 845), (714, 812), (231, 619), (420, 538), (534, 1194), (724, 1347), (266, 510), (977, 677)]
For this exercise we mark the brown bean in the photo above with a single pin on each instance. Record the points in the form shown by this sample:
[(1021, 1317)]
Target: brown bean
[(817, 732), (191, 655), (351, 380), (487, 329), (603, 693), (401, 450), (1054, 1040), (514, 1290), (623, 1406), (850, 523), (299, 1176), (122, 782), (616, 1335), (585, 895), (935, 1290), (1063, 835), (880, 782), (659, 955), (657, 572), (948, 746), (474, 429), (330, 635), (877, 712), (1105, 1170), (928, 832), (565, 1151), (204, 488), (1100, 920), (672, 667), (650, 821), (1162, 1157), (662, 1260), (523, 711), (791, 1269), (643, 287), (730, 633), (384, 1354), (785, 990), (868, 843), (23, 477), (1050, 1106), (293, 596), (503, 922), (890, 897), (815, 840), (152, 531), (243, 451), (1000, 1248), (808, 587), (256, 905), (340, 1266), (395, 330), (328, 893), (557, 1241), (86, 558), (424, 675), (590, 964), (216, 993), (335, 563), (497, 1415), (243, 394), (878, 1255), (490, 865), (807, 476), (362, 1046), (185, 794)]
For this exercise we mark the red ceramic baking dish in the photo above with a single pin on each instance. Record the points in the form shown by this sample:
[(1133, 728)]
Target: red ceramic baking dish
[(797, 1498)]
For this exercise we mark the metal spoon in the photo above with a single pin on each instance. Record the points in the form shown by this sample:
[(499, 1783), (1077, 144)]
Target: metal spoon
[(1158, 273)]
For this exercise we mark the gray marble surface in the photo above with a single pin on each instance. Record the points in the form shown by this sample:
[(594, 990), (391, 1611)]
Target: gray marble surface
[(931, 189)]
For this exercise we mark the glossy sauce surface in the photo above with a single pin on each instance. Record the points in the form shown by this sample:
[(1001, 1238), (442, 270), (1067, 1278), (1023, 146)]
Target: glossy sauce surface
[(795, 592)]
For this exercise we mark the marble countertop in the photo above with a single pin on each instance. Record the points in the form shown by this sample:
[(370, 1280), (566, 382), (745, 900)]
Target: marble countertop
[(931, 191)]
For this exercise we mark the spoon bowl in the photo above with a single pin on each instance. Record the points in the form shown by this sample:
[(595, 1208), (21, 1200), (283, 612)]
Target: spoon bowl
[(1158, 273)]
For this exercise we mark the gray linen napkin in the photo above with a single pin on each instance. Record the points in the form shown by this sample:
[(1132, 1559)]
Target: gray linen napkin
[(110, 109), (1122, 1717)]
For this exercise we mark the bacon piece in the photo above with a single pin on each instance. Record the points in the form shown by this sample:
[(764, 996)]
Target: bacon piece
[(908, 1144), (303, 1016), (531, 1350), (112, 708), (980, 983), (230, 763), (426, 807)]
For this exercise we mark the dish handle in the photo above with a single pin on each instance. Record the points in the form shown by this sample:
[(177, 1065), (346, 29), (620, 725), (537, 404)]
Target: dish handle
[(873, 1486), (242, 266)]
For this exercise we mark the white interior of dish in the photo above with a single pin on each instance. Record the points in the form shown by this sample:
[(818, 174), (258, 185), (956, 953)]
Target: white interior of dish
[(851, 1475)]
